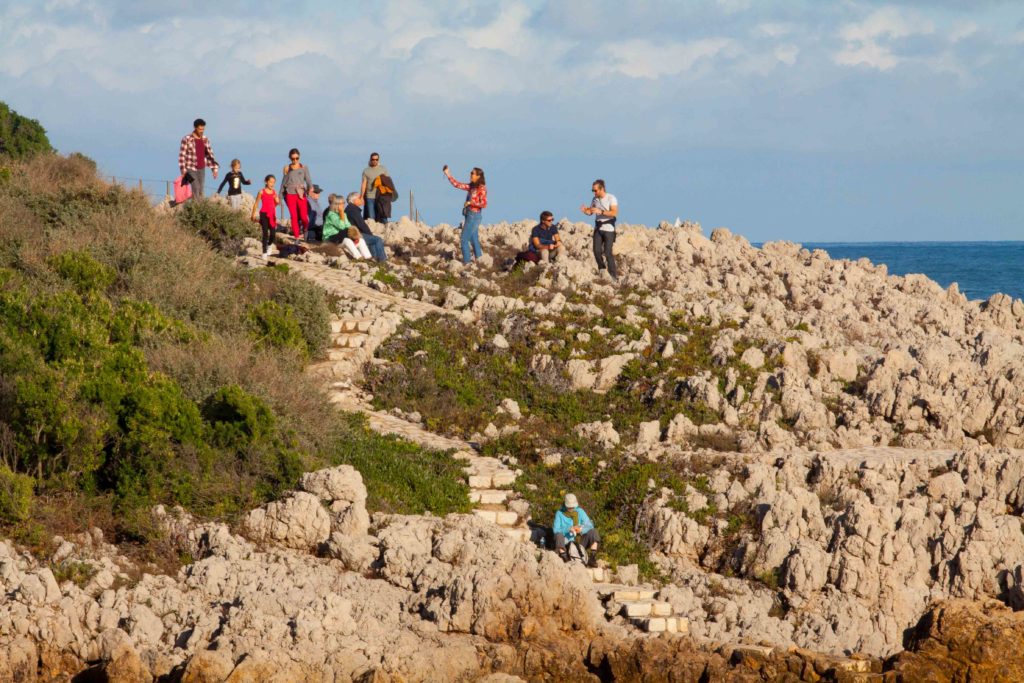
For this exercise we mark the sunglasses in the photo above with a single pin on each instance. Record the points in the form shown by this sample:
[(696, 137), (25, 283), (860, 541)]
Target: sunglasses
[(548, 220), (374, 159), (295, 158)]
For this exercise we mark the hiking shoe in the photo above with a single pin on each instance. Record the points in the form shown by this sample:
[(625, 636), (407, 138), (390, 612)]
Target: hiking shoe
[(564, 555), (592, 562)]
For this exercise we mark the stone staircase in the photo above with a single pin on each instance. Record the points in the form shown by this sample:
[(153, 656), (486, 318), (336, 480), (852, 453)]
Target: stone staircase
[(641, 607), (368, 317)]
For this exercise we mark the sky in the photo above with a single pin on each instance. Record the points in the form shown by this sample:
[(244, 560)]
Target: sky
[(813, 121)]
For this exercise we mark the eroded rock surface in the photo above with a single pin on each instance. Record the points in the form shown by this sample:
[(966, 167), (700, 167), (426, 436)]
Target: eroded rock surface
[(842, 551)]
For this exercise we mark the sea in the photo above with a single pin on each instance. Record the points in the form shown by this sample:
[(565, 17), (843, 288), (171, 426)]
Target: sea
[(979, 268)]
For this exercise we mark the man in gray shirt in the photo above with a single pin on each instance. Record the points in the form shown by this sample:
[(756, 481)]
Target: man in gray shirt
[(366, 189)]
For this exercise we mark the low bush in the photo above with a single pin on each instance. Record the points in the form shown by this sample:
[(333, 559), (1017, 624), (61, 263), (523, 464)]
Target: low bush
[(400, 476), (275, 326), (15, 495), (309, 303), (220, 225)]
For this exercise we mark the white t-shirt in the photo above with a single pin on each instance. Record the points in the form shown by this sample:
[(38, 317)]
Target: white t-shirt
[(605, 203)]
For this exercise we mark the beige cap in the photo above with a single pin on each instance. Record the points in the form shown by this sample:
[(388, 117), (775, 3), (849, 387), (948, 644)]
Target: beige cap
[(570, 501)]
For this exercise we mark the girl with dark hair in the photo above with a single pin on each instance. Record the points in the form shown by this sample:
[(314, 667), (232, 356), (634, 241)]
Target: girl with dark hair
[(472, 209), (264, 210), (295, 185)]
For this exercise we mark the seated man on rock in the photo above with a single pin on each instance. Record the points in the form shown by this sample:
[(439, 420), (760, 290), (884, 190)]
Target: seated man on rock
[(544, 238), (573, 524), (354, 212)]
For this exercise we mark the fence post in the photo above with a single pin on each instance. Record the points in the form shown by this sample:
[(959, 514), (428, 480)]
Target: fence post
[(411, 212), (168, 183), (140, 185)]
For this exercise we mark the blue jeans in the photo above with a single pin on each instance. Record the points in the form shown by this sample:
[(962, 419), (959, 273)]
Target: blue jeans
[(376, 246), (369, 210), (471, 236)]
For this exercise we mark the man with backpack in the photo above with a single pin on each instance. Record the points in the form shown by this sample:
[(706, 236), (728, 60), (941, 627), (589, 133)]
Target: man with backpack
[(572, 525)]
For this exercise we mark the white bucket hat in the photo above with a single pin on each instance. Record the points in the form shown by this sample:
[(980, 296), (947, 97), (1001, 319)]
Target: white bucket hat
[(571, 502)]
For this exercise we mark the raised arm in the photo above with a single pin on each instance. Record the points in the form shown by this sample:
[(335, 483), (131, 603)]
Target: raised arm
[(455, 183)]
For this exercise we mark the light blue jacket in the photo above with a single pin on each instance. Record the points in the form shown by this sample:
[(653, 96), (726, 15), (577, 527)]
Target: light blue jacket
[(563, 523)]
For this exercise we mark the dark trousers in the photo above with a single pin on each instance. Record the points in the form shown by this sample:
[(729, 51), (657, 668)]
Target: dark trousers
[(267, 230), (586, 540), (603, 242)]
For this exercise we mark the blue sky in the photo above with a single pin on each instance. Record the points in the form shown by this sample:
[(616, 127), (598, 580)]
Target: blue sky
[(812, 121)]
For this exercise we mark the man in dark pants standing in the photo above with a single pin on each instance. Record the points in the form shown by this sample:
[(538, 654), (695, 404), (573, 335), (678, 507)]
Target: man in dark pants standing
[(194, 155), (605, 209)]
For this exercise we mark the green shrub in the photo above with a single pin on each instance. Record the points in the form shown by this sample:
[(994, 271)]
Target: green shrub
[(21, 137), (400, 477), (237, 418), (275, 326), (220, 225), (85, 272), (309, 304), (15, 495)]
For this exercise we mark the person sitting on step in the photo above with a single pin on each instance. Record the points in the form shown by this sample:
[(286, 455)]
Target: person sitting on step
[(573, 525)]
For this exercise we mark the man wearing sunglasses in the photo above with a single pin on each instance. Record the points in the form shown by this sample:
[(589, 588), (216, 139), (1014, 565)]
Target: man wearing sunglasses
[(605, 209), (366, 189), (545, 240)]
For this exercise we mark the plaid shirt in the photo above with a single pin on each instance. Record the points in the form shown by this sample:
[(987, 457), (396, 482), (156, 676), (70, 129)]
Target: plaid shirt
[(187, 154), (477, 195)]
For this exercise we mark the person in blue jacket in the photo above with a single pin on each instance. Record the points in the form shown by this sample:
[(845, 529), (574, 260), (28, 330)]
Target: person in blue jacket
[(573, 524)]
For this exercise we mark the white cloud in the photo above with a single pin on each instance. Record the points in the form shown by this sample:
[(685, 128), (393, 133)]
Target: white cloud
[(962, 30), (869, 42), (641, 58), (774, 29), (787, 54), (868, 54), (886, 23)]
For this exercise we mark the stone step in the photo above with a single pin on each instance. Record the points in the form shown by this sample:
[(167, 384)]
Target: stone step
[(598, 574), (324, 370), (490, 479), (663, 624), (501, 517), (338, 353), (349, 341), (347, 324), (489, 496), (645, 608), (618, 592), (518, 533)]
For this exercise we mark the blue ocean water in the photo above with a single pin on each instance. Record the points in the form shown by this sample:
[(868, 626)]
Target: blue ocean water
[(980, 268)]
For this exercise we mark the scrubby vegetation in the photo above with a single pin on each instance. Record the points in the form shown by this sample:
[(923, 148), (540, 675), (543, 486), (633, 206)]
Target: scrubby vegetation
[(139, 366), (453, 375)]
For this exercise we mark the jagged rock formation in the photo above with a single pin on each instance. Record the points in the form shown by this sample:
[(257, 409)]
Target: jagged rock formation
[(860, 358), (847, 549)]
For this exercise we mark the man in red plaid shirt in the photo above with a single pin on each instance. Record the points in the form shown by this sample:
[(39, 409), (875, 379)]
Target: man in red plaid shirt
[(194, 155)]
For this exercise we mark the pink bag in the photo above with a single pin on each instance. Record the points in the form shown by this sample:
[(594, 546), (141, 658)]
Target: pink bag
[(182, 193)]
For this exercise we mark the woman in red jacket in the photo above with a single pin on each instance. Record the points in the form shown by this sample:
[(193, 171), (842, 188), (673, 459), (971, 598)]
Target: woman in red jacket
[(476, 202)]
